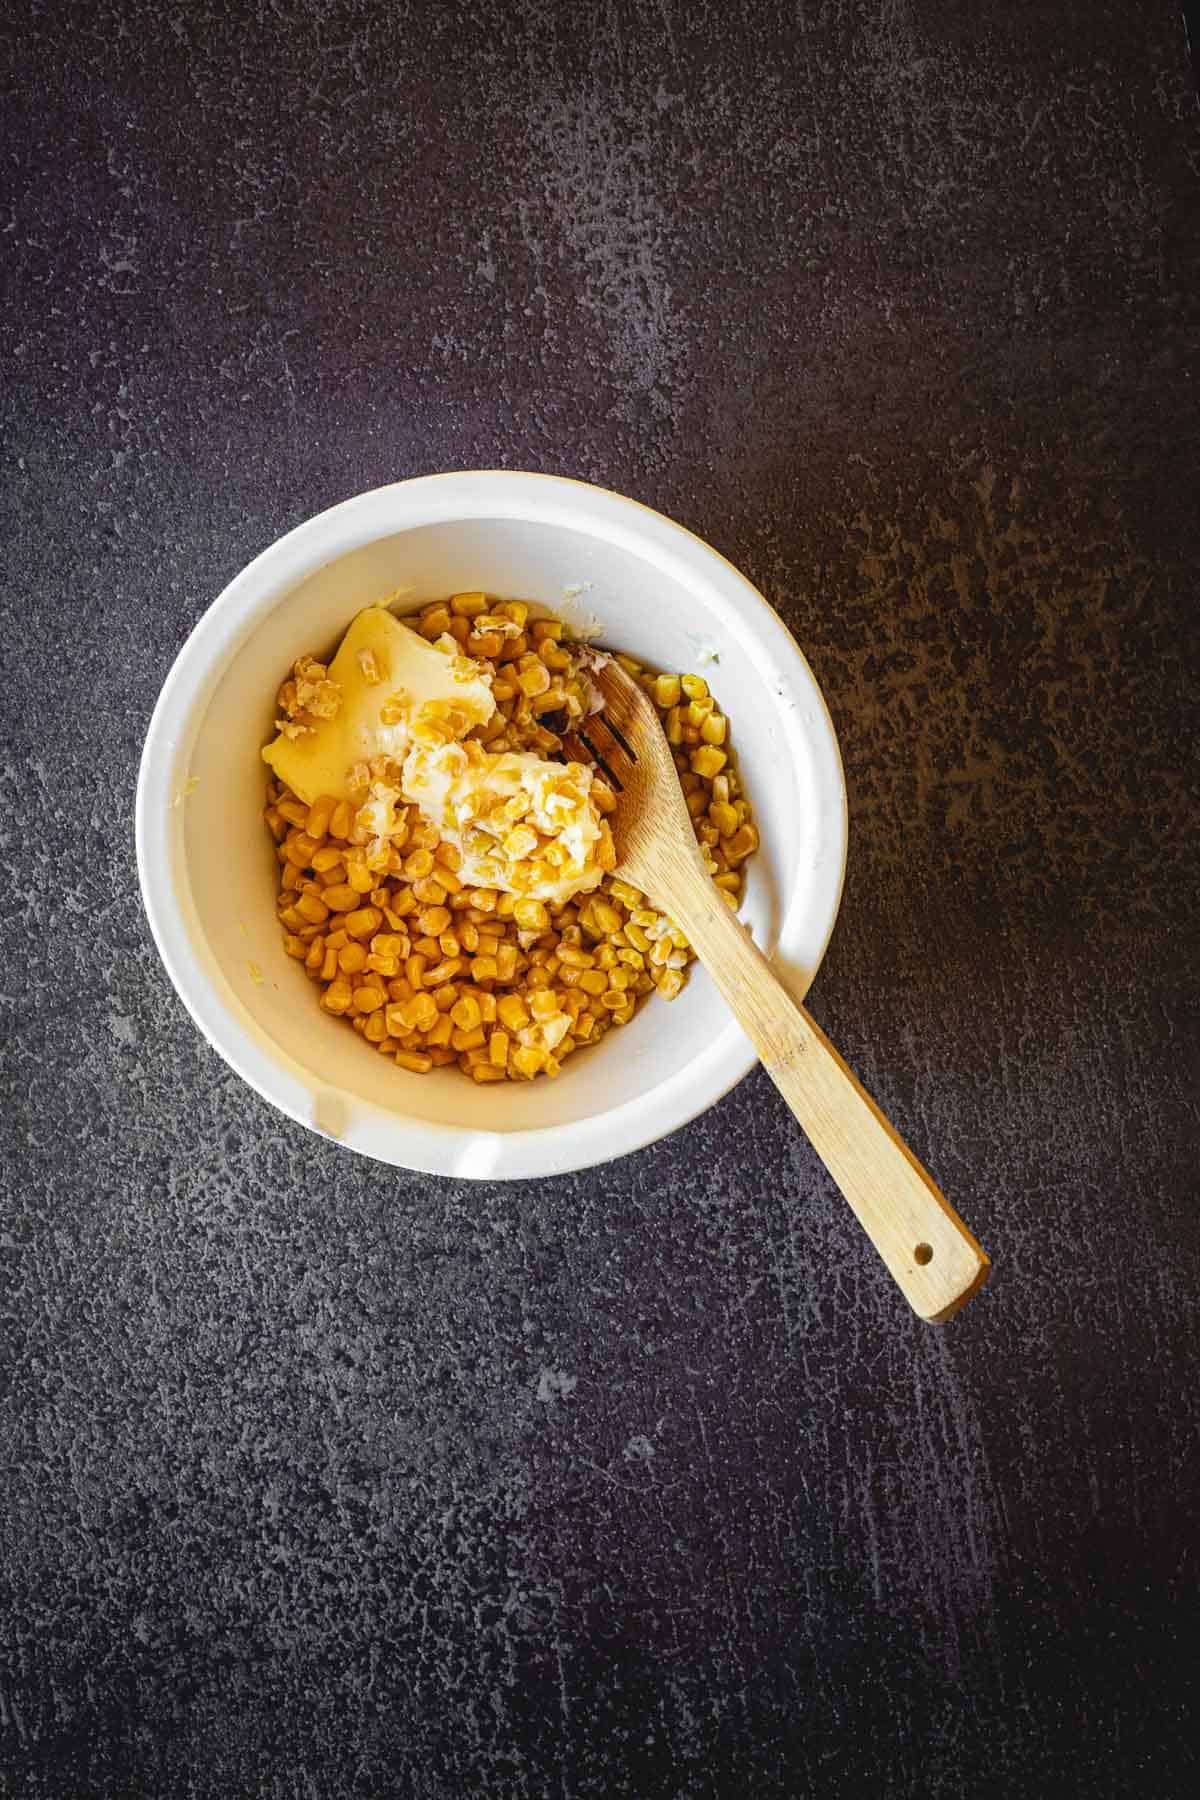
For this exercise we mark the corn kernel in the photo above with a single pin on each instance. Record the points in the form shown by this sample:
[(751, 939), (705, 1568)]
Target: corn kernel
[(364, 922), (300, 849), (575, 959), (694, 686), (313, 910), (435, 620), (708, 760), (629, 897), (468, 606), (512, 1012), (466, 1013), (531, 915), (444, 971), (743, 842), (359, 876), (666, 691)]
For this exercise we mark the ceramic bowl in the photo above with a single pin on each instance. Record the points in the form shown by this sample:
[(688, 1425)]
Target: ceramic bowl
[(612, 567)]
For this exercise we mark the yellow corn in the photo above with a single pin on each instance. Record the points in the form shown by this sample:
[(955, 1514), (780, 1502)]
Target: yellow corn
[(741, 844), (708, 760), (534, 680), (627, 895), (364, 922), (444, 971), (312, 909), (512, 1012), (531, 915), (432, 973), (466, 1013)]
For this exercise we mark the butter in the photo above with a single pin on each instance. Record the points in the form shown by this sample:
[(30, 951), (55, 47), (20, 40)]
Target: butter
[(385, 673), (518, 822), (394, 711)]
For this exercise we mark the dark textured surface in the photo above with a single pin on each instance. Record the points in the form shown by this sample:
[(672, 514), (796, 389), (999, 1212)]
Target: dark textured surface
[(321, 1479)]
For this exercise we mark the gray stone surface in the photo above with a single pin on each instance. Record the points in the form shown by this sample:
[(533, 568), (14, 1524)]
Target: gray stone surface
[(321, 1479)]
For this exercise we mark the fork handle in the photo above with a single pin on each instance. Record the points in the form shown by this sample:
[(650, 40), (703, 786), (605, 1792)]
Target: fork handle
[(933, 1258)]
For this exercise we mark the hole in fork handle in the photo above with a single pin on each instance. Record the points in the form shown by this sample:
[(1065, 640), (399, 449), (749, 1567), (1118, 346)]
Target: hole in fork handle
[(609, 774)]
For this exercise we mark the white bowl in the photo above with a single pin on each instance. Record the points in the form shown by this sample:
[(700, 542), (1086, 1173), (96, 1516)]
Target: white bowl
[(208, 872)]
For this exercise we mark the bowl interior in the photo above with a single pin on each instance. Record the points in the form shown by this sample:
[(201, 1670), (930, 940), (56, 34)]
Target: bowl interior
[(633, 603)]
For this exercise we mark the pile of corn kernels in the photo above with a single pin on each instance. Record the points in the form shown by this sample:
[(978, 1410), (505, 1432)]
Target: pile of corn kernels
[(431, 972)]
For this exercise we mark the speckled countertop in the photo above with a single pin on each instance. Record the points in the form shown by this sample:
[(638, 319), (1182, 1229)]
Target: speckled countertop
[(325, 1480)]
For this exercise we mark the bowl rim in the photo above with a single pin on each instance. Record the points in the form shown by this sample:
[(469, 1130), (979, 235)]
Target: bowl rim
[(387, 1135)]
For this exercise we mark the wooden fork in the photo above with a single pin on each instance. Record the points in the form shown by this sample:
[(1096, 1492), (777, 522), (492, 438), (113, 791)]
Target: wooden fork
[(932, 1256)]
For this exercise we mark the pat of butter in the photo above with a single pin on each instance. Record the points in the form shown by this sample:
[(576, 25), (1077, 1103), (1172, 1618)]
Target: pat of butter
[(383, 669), (466, 799)]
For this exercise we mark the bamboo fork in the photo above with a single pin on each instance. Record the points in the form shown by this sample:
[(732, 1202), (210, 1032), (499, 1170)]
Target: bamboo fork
[(932, 1256)]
